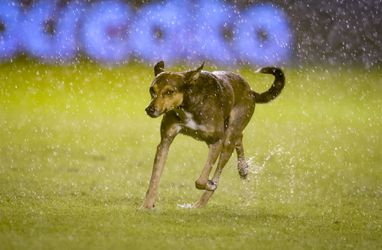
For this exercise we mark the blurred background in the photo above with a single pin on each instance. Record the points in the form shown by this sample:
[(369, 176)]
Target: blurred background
[(237, 32)]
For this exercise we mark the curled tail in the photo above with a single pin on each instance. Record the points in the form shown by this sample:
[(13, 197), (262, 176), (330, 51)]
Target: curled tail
[(275, 89)]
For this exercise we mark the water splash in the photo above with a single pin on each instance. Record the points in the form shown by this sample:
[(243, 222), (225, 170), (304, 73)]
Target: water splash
[(185, 205), (257, 177), (257, 168)]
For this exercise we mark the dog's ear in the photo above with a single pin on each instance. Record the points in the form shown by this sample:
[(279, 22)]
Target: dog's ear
[(193, 75), (158, 68)]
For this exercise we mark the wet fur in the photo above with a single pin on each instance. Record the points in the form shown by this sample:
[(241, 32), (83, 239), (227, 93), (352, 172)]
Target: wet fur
[(213, 107)]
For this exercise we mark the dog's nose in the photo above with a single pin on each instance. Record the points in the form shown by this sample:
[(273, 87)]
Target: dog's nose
[(150, 110)]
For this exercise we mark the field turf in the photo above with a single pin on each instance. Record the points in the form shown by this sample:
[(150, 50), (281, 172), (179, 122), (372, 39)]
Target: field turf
[(76, 152)]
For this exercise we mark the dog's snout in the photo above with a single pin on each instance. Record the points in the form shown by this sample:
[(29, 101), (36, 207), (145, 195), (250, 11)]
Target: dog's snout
[(150, 110)]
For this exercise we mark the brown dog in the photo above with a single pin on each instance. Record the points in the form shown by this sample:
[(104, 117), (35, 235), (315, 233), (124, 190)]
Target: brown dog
[(213, 107)]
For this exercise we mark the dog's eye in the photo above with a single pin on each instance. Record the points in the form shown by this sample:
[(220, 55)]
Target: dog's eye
[(169, 92)]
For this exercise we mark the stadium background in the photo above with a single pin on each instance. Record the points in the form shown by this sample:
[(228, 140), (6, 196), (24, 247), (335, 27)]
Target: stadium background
[(331, 32)]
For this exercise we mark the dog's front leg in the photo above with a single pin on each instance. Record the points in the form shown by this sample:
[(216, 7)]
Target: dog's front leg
[(159, 162), (169, 129)]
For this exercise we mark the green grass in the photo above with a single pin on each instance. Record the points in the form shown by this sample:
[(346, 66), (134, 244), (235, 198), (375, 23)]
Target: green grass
[(76, 152)]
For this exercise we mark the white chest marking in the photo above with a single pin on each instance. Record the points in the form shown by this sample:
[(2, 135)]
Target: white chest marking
[(191, 124)]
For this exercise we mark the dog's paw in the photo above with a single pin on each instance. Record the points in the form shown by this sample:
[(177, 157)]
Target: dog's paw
[(243, 169), (243, 174), (211, 186), (148, 205)]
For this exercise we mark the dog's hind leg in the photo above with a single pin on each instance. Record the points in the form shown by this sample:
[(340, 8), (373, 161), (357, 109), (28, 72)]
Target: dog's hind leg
[(242, 165), (202, 182), (228, 147), (237, 123), (204, 199), (223, 159)]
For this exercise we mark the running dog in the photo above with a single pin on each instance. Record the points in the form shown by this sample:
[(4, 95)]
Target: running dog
[(213, 107)]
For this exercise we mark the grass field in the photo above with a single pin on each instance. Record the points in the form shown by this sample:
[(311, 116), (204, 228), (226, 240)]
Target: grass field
[(76, 152)]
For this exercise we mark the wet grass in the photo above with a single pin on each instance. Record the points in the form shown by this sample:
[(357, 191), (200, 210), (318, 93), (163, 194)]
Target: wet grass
[(76, 152)]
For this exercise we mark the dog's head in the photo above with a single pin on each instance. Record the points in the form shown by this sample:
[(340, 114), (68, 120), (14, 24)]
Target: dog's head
[(167, 89)]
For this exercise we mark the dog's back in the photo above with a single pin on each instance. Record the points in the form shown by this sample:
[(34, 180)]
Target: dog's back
[(241, 90), (241, 87), (228, 90)]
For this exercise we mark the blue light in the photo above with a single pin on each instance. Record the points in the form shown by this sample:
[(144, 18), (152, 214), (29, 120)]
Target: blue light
[(160, 32), (109, 31), (50, 31), (263, 36), (213, 27), (105, 35), (9, 20)]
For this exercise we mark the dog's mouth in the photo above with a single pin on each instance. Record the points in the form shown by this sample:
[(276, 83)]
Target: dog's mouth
[(152, 112)]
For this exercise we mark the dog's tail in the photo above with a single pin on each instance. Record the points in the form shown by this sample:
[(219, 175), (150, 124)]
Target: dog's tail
[(275, 89)]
